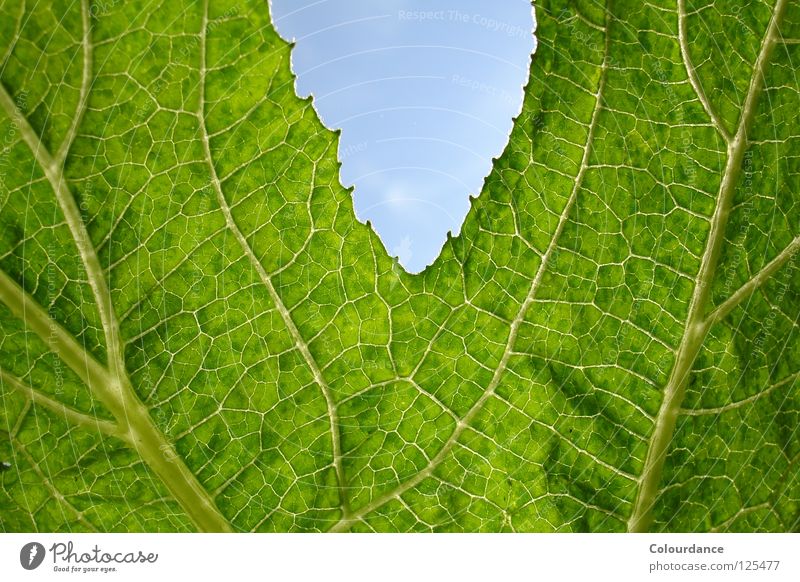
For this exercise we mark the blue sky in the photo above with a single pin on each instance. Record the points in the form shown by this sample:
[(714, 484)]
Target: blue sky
[(424, 92)]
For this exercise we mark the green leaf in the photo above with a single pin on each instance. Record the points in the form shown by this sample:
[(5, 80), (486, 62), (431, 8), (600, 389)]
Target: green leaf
[(197, 334)]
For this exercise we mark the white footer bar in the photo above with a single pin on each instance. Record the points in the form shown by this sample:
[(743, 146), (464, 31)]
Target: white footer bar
[(400, 558)]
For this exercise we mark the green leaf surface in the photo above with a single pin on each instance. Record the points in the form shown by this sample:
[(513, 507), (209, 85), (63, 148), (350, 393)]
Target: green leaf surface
[(197, 334)]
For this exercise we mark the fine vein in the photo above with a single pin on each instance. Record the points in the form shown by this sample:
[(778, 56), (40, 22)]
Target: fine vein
[(266, 280), (62, 410), (755, 282), (692, 72)]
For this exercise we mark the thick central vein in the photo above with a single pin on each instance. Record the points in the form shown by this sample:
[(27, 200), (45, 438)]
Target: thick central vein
[(300, 344), (134, 425), (345, 523), (112, 387), (697, 325)]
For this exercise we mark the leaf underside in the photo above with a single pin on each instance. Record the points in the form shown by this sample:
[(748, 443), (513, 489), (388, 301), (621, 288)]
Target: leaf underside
[(197, 334)]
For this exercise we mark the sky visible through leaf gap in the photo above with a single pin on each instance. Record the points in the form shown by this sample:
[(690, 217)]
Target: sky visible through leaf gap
[(425, 94)]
